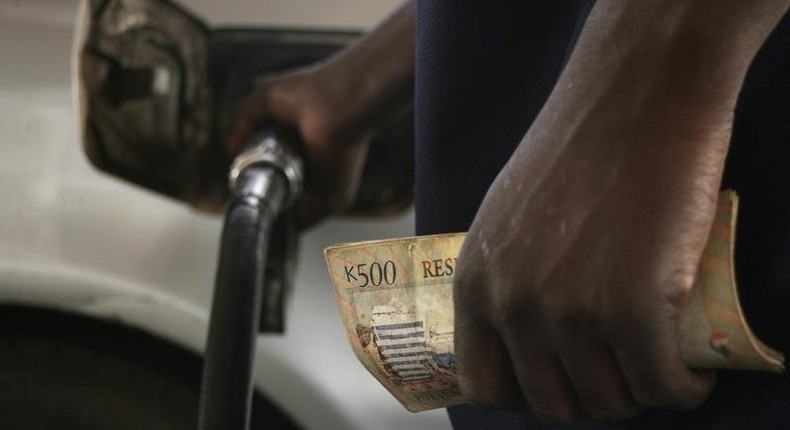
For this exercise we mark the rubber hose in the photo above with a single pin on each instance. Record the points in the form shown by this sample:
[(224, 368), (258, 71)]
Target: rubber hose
[(226, 391)]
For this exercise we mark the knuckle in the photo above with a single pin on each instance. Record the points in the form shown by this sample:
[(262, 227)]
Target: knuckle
[(678, 286), (318, 126)]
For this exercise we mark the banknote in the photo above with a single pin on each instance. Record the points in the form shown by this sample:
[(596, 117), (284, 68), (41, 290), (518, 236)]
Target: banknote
[(395, 299)]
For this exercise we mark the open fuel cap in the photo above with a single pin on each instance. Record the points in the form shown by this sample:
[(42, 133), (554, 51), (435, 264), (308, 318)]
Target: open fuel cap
[(144, 95), (157, 88)]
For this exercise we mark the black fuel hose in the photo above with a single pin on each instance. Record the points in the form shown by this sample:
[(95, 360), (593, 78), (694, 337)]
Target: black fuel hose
[(226, 392)]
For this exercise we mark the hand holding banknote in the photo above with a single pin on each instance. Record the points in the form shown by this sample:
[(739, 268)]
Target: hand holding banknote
[(395, 297), (567, 298), (585, 248)]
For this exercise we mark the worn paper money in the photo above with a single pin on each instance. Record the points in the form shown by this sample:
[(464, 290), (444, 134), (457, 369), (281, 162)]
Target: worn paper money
[(395, 298)]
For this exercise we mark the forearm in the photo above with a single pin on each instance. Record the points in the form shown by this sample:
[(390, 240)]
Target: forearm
[(645, 107), (694, 51), (668, 54), (375, 75), (663, 74)]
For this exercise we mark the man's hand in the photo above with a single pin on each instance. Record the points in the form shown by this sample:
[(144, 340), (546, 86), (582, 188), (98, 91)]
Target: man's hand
[(334, 147), (334, 106), (588, 242)]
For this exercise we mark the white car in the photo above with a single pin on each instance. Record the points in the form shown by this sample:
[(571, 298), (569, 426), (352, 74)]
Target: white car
[(105, 288)]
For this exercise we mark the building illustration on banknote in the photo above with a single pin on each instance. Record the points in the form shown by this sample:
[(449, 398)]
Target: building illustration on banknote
[(410, 353)]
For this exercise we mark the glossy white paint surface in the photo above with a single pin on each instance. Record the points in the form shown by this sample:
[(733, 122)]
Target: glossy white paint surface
[(76, 239)]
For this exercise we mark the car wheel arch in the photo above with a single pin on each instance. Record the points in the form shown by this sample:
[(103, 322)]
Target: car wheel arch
[(19, 321)]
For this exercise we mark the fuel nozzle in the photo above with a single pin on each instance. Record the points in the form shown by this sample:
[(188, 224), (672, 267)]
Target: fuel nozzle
[(270, 173), (266, 156), (257, 258)]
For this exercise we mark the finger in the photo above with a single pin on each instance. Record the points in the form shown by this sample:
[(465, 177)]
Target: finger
[(485, 372), (266, 101), (596, 377), (249, 113), (548, 391), (654, 369)]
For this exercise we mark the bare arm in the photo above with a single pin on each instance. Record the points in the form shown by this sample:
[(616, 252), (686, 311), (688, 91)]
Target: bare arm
[(333, 105), (376, 74), (588, 242)]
